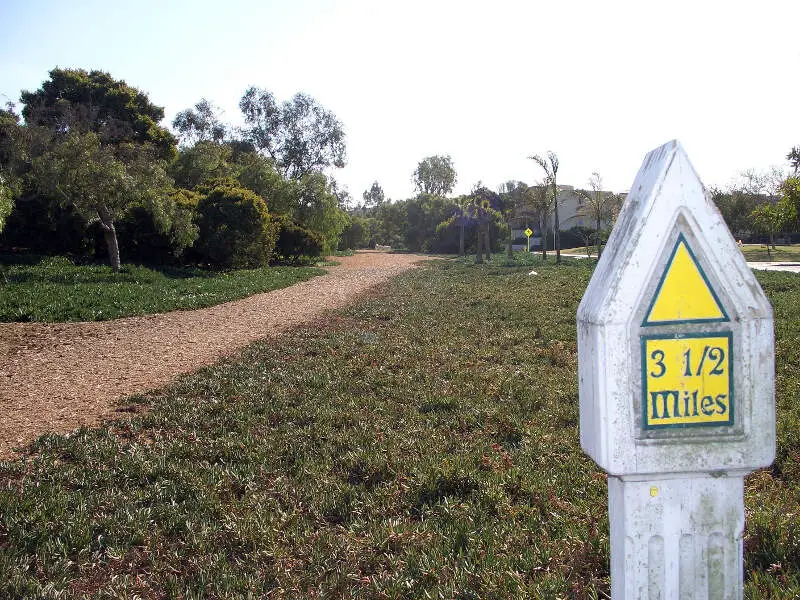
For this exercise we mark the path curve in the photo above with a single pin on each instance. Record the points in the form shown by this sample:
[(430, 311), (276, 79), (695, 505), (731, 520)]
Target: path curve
[(58, 376)]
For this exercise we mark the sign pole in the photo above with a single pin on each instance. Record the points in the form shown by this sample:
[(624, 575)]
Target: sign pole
[(676, 379)]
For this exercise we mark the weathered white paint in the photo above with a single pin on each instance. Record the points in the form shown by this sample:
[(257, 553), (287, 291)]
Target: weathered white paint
[(675, 492), (676, 536)]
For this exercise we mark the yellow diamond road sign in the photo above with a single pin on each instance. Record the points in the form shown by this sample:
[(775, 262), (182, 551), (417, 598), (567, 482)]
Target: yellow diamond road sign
[(528, 232)]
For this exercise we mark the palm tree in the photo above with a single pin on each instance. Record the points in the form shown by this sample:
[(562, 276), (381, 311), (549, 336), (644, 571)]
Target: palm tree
[(538, 203), (550, 167)]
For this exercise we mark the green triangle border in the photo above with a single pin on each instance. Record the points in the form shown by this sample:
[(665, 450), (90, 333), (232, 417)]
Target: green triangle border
[(647, 323)]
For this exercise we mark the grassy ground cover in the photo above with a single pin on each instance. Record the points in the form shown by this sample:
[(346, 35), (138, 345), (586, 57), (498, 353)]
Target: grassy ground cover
[(758, 253), (423, 444), (752, 253), (54, 289)]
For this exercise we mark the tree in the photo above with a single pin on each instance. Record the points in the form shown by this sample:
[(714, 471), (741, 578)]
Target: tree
[(258, 174), (200, 124), (462, 220), (299, 135), (735, 206), (459, 218), (392, 223), (597, 204), (481, 213), (550, 167), (537, 201), (423, 215), (76, 100), (488, 209), (791, 199), (435, 175), (9, 125), (770, 219), (512, 199), (317, 208), (200, 163), (14, 160), (96, 180), (6, 200), (794, 159), (355, 235), (765, 185), (374, 196)]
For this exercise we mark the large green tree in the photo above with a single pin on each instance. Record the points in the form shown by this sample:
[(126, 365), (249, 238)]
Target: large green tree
[(423, 215), (300, 135), (201, 163), (102, 181), (76, 100), (771, 218), (317, 208), (392, 218), (435, 175), (11, 151), (374, 196), (736, 208), (200, 123)]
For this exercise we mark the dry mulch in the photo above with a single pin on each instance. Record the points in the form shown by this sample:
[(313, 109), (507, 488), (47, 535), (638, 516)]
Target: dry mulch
[(57, 377)]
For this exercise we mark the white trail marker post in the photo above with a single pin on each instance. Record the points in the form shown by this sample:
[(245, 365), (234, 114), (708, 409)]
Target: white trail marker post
[(677, 376)]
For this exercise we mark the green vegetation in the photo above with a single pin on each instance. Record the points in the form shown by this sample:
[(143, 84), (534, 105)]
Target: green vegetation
[(91, 172), (401, 451), (762, 253), (54, 289)]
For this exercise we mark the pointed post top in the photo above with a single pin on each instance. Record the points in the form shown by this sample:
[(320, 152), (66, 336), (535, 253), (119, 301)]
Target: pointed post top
[(673, 309)]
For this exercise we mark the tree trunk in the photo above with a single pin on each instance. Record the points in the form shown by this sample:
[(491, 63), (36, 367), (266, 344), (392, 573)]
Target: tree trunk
[(557, 228), (509, 249), (488, 245), (110, 233), (461, 238), (479, 254), (543, 237), (597, 233)]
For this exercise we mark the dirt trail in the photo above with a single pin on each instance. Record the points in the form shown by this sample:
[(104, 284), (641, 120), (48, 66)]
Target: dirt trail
[(56, 377)]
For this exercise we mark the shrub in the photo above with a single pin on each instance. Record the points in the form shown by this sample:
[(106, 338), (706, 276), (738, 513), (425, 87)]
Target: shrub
[(295, 241), (235, 228), (356, 234), (140, 241), (42, 225)]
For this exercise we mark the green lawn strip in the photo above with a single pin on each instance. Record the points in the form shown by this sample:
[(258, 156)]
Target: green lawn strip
[(54, 290), (758, 253), (422, 444)]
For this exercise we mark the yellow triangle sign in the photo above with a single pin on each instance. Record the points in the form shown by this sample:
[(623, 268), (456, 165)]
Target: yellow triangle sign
[(684, 293)]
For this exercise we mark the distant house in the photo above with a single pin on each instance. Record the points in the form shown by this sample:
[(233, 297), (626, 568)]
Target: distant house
[(571, 213)]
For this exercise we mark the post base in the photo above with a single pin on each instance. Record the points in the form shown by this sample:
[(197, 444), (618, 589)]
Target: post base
[(676, 537)]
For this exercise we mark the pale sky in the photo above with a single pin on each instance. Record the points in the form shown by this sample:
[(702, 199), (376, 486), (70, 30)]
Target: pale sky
[(599, 82)]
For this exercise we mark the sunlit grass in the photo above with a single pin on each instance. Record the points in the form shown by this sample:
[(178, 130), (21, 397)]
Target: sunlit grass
[(758, 253), (419, 444), (54, 289)]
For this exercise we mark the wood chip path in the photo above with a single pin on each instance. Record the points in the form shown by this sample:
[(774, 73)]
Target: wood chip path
[(57, 377)]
